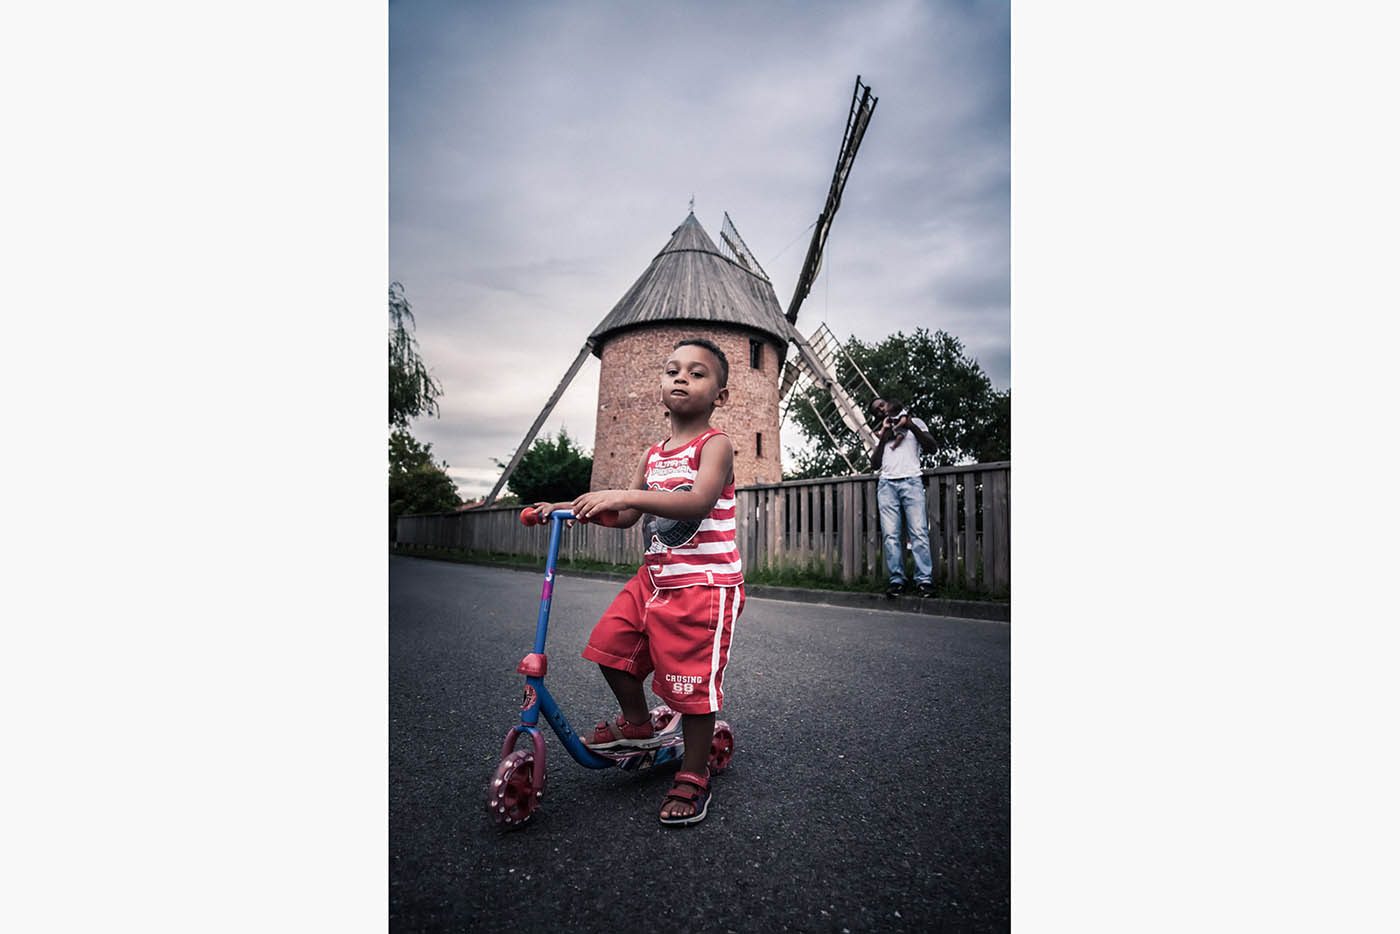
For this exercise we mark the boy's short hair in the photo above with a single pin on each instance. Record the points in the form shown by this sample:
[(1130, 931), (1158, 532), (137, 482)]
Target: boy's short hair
[(713, 348)]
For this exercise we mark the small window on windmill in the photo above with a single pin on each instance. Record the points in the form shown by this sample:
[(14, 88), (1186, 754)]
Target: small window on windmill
[(756, 354), (758, 444)]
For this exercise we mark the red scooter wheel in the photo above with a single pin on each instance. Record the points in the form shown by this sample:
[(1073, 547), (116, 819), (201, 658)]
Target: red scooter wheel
[(515, 794), (721, 747)]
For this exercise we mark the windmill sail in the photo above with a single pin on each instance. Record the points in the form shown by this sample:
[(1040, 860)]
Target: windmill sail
[(738, 249), (539, 420), (816, 365), (862, 108), (826, 346)]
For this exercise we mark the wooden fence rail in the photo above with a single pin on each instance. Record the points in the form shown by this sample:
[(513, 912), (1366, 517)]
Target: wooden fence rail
[(831, 526)]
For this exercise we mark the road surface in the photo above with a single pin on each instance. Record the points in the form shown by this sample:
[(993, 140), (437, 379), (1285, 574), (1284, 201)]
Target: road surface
[(870, 787)]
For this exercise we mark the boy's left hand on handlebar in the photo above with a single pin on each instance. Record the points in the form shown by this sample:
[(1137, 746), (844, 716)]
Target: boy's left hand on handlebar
[(544, 509)]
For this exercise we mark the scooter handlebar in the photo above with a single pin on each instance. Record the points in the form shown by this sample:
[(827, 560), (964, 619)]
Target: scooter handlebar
[(530, 516)]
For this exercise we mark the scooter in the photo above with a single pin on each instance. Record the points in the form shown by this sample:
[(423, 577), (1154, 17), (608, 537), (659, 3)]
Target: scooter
[(517, 787)]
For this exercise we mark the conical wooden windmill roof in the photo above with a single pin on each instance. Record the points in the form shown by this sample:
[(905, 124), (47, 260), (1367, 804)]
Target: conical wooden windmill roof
[(691, 280)]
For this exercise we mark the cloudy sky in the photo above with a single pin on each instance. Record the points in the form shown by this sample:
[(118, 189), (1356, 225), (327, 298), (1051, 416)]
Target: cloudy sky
[(541, 154)]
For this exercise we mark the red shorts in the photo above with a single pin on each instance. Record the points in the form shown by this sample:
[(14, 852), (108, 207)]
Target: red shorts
[(683, 634)]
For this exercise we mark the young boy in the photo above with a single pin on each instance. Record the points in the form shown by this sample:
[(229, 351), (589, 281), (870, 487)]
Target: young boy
[(676, 617)]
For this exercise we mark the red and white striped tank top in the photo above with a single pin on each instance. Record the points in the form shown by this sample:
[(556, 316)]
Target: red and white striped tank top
[(689, 552)]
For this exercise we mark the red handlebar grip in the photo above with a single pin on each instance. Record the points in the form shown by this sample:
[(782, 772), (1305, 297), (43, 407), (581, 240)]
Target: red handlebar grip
[(608, 517)]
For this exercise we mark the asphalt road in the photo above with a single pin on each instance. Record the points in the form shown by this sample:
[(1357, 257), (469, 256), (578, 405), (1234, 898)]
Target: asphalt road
[(870, 788)]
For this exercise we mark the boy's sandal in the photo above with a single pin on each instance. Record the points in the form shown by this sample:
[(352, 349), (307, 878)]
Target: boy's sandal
[(698, 797), (621, 735)]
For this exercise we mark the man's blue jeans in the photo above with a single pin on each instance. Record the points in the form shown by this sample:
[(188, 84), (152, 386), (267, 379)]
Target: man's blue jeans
[(903, 500)]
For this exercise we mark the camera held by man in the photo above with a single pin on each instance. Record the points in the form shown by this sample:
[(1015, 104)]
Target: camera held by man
[(898, 427)]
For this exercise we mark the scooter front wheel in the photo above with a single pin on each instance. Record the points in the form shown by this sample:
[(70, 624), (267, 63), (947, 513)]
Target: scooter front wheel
[(515, 792)]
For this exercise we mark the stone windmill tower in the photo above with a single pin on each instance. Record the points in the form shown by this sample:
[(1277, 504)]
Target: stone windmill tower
[(693, 288), (690, 289)]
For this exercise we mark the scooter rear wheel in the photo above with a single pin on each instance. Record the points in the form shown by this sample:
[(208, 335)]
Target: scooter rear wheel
[(721, 747), (515, 793)]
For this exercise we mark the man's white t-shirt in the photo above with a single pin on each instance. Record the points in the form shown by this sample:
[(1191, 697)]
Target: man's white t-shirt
[(903, 460)]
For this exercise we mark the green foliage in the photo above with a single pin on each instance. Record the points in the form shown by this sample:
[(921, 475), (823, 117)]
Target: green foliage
[(417, 484), (412, 390), (970, 421), (551, 471)]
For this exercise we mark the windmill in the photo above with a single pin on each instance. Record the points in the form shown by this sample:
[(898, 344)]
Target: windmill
[(695, 287)]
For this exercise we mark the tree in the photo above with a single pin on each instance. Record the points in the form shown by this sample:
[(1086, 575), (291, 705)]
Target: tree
[(412, 390), (417, 484), (551, 471), (933, 376)]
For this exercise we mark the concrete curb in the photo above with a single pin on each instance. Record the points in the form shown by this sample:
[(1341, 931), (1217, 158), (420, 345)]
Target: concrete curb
[(929, 606)]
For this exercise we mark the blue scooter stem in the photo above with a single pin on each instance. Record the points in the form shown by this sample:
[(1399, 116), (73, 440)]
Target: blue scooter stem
[(556, 529), (545, 701)]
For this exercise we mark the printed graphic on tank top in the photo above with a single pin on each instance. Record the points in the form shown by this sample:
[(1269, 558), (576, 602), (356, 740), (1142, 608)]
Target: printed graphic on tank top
[(688, 552)]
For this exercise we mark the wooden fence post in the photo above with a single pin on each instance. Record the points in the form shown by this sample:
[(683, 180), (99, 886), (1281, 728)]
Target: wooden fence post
[(848, 531), (970, 529), (874, 546)]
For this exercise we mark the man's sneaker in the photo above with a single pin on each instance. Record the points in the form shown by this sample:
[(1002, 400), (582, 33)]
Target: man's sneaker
[(926, 590), (894, 589)]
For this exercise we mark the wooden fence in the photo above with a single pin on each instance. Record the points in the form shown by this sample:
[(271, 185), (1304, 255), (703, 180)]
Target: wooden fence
[(830, 526)]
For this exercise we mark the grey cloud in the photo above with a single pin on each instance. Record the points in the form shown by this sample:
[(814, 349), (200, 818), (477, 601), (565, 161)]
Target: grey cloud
[(541, 154)]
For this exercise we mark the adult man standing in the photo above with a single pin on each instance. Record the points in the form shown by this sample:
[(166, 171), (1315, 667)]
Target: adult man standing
[(900, 494)]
